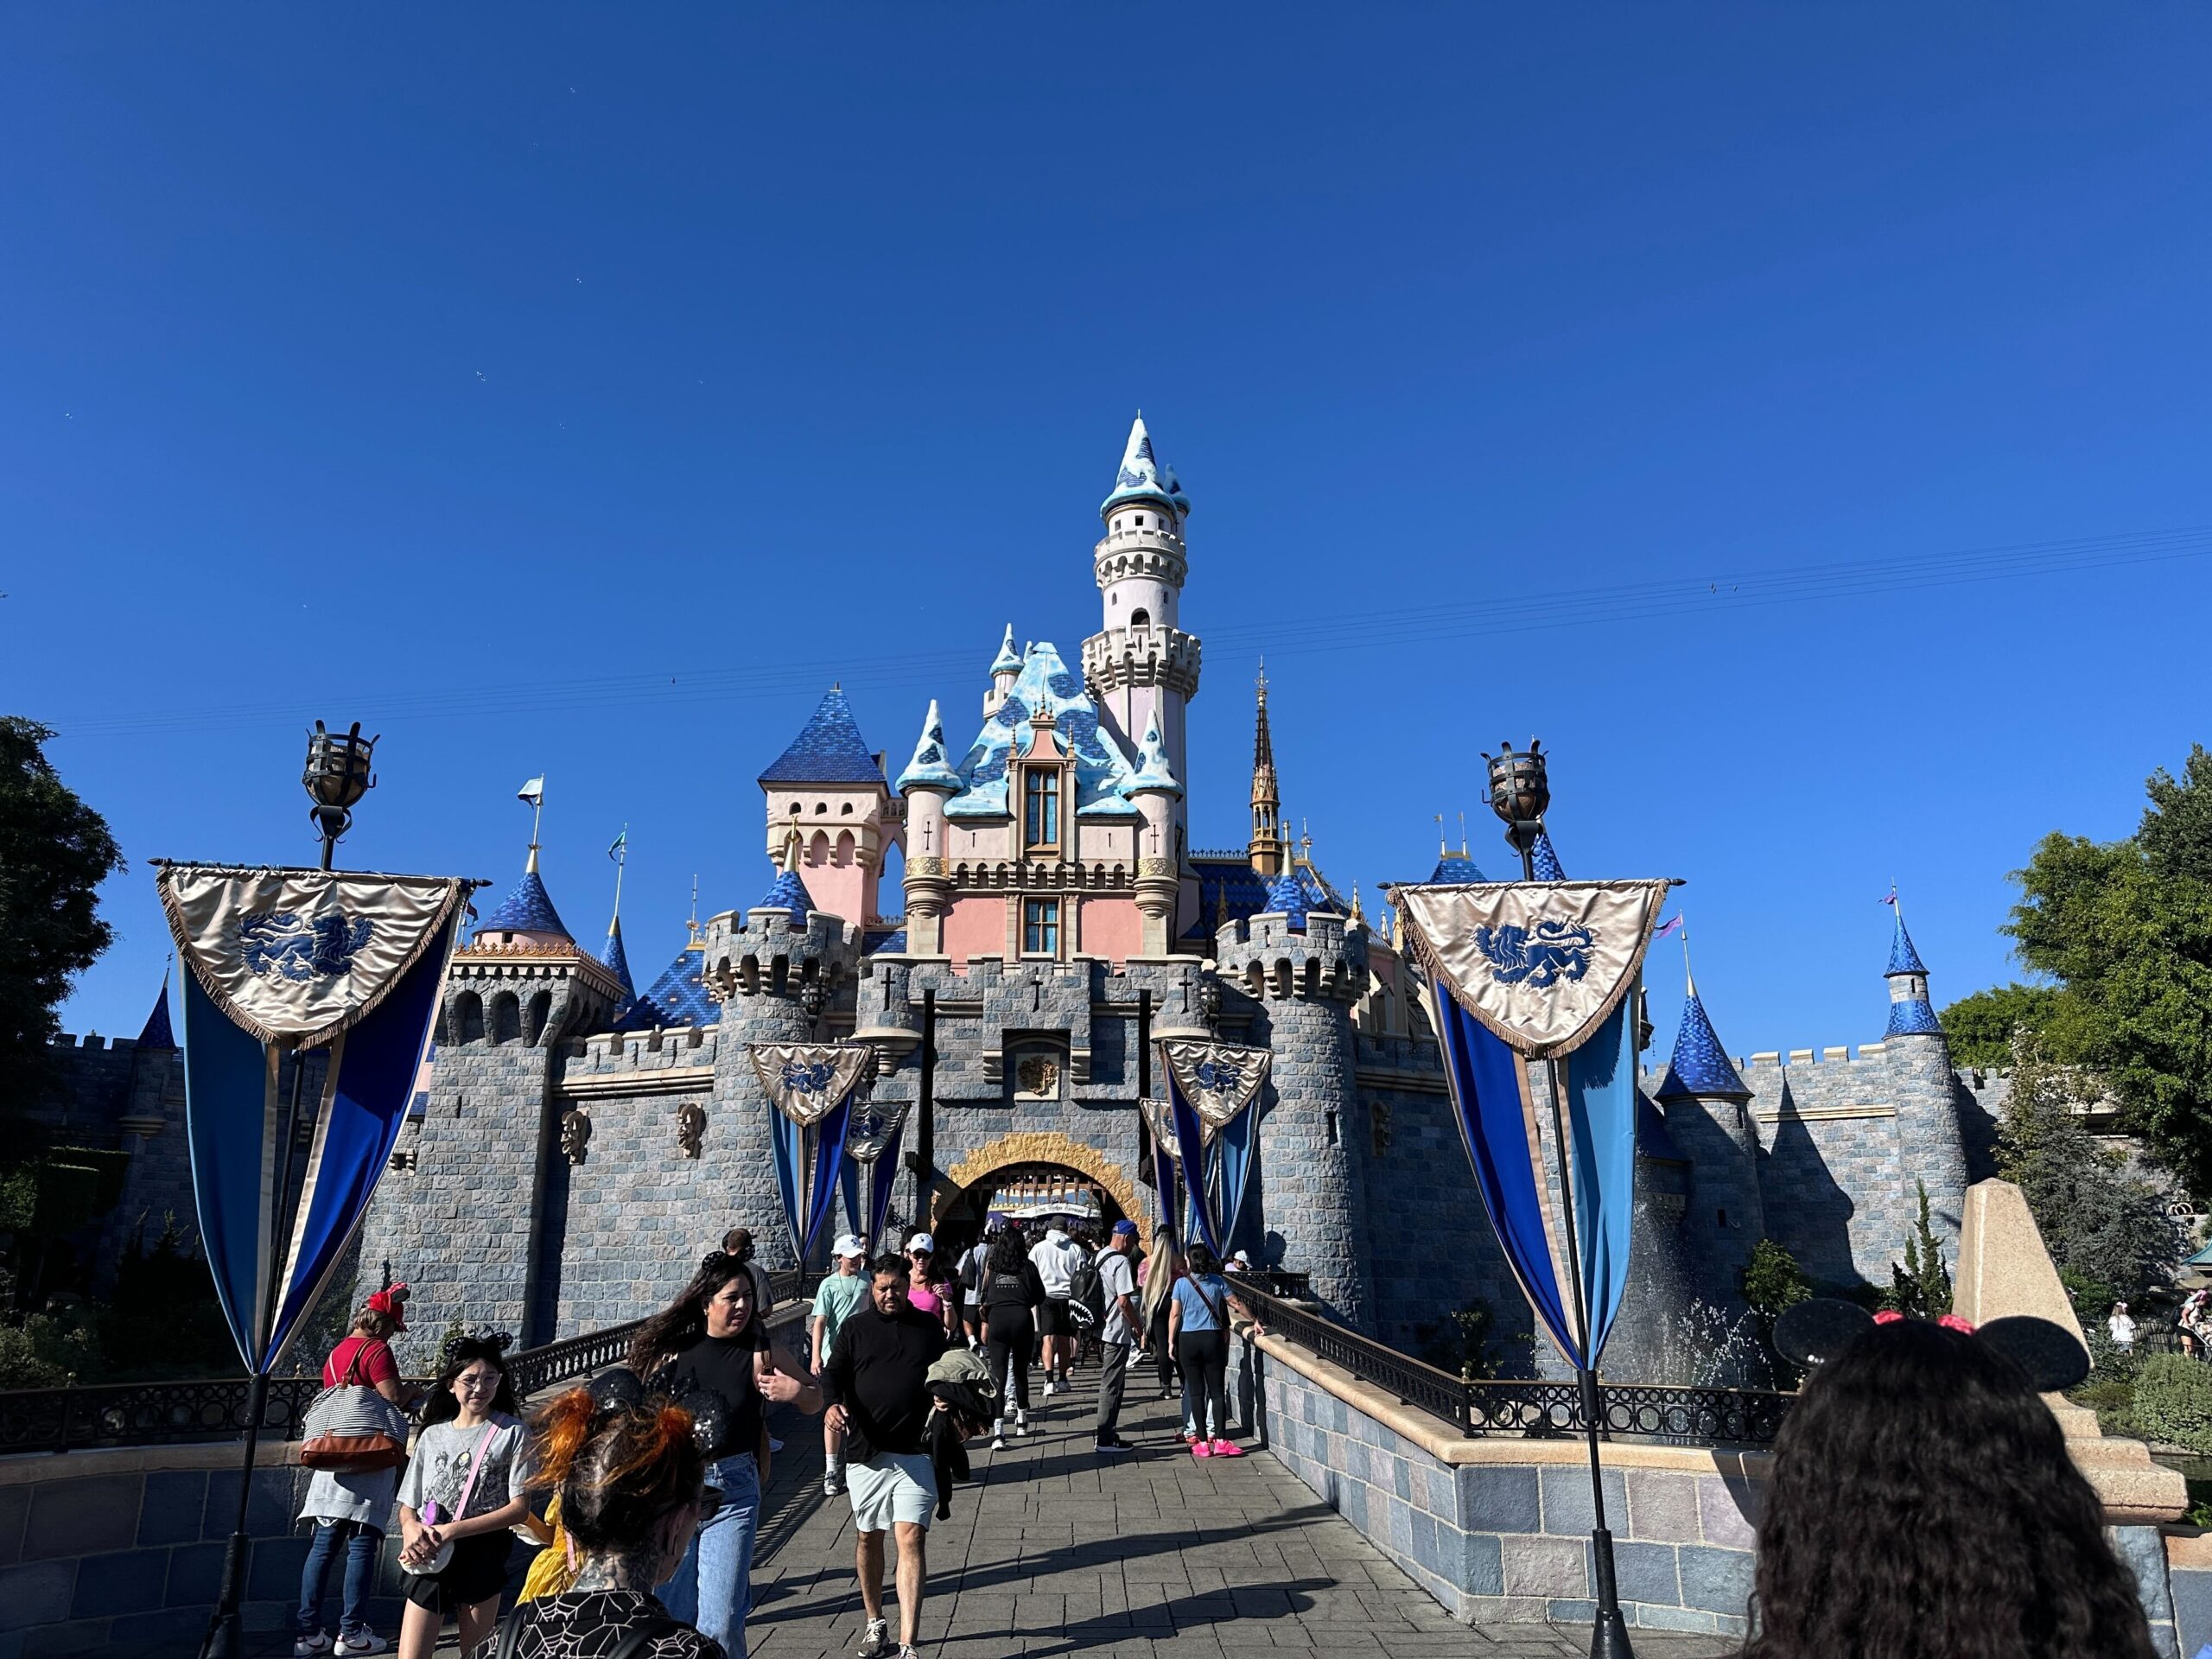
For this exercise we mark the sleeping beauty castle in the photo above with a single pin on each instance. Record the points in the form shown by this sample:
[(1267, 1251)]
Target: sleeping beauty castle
[(585, 1135)]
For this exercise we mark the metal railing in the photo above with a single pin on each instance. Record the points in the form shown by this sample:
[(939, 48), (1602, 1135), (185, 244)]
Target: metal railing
[(214, 1408), (1536, 1410)]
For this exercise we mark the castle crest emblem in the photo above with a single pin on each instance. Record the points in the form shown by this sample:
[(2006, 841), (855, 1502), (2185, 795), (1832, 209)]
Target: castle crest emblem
[(1218, 1079), (283, 942), (1541, 964), (805, 1081)]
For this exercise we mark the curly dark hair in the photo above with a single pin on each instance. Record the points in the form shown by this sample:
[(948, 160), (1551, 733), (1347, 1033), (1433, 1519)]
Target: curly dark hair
[(1924, 1506), (458, 1355), (684, 1321), (1007, 1252)]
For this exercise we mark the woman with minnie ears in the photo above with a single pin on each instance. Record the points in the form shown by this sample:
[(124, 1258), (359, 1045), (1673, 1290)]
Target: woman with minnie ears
[(710, 1352), (627, 1473), (463, 1487), (1923, 1504)]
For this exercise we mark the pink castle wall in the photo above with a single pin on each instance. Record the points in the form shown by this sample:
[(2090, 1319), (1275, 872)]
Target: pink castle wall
[(1111, 928), (975, 927), (836, 881)]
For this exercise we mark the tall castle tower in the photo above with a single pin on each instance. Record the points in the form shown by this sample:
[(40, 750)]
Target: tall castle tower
[(1926, 1090), (1140, 667), (828, 790), (1270, 844)]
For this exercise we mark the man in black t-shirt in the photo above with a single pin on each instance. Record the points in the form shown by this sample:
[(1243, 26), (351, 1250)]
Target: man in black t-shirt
[(877, 1384)]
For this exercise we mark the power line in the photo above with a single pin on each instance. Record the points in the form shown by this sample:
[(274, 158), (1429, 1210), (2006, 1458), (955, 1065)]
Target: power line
[(1420, 620)]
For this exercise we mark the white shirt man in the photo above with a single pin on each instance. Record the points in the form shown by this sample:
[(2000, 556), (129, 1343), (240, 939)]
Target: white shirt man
[(1056, 1261)]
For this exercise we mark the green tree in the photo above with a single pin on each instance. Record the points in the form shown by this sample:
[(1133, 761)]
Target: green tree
[(2124, 929), (1772, 1281), (2107, 1228), (54, 852), (1920, 1284), (1981, 1026)]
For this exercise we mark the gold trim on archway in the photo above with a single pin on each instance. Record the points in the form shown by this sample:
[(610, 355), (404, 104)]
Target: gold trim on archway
[(1039, 1147)]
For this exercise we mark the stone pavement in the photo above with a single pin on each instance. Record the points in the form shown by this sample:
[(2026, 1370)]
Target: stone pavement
[(1054, 1551)]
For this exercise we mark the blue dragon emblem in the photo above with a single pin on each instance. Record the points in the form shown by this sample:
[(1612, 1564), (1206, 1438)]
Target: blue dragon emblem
[(1539, 957), (809, 1079), (1220, 1076), (296, 947)]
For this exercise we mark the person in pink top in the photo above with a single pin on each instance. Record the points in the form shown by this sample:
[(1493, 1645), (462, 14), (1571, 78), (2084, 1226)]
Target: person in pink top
[(933, 1293)]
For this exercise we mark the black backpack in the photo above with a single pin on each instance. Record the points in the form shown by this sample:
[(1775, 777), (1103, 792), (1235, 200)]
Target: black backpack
[(1087, 1295)]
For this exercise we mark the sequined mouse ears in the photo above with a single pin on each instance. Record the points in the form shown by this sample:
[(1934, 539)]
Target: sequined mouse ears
[(1815, 1331), (620, 1388)]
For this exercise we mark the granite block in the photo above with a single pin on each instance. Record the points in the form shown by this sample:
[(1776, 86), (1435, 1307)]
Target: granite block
[(1545, 1567), (1717, 1580), (174, 1630), (1499, 1500), (1483, 1566), (175, 1501), (52, 1640), (35, 1593), (14, 1509), (195, 1575), (1646, 1573), (1728, 1510), (1567, 1509), (1663, 1506), (80, 1516), (273, 1571), (127, 1581), (2191, 1591)]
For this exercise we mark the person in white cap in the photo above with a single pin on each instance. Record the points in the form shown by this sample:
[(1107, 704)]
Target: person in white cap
[(1056, 1261), (836, 1300)]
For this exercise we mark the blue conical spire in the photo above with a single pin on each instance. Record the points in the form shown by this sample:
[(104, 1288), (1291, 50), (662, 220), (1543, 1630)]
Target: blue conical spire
[(1546, 858), (787, 891), (1911, 1015), (158, 1032), (528, 908), (1904, 959), (1288, 898), (1144, 476), (616, 958), (929, 769), (1700, 1066), (1008, 661)]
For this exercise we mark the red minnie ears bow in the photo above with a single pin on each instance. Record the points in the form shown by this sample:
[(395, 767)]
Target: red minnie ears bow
[(1815, 1331)]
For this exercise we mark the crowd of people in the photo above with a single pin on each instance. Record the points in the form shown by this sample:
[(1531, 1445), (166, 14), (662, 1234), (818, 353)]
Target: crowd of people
[(644, 1490)]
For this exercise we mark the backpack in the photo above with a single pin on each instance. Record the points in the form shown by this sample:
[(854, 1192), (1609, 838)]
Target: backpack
[(1087, 1295)]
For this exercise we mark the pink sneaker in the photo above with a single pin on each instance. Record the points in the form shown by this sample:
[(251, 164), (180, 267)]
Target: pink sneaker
[(1200, 1449), (1224, 1449)]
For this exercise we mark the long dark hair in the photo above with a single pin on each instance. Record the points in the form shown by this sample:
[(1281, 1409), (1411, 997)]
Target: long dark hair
[(1006, 1252), (1924, 1506), (458, 1355), (684, 1321)]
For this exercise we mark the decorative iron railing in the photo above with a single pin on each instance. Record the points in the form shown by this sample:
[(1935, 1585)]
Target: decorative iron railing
[(214, 1408), (1537, 1410)]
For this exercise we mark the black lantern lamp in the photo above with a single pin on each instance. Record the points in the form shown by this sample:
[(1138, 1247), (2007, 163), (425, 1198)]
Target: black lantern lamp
[(338, 774), (1519, 793)]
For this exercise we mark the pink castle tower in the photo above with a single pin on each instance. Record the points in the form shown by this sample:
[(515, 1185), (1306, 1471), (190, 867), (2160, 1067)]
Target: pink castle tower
[(828, 790)]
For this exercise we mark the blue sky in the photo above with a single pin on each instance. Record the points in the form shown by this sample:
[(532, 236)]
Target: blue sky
[(580, 391)]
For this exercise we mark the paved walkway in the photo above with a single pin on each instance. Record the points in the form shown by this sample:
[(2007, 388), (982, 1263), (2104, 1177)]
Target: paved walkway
[(1054, 1551)]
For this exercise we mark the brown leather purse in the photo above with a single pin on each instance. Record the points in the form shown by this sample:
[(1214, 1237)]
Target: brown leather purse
[(347, 1429)]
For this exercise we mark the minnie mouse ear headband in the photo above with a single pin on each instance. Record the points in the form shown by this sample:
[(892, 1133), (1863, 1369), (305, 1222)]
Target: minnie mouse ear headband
[(473, 1342), (621, 1389), (391, 1301), (1814, 1332)]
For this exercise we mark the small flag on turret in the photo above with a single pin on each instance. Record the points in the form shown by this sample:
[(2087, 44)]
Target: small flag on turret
[(621, 845), (533, 792), (1668, 929)]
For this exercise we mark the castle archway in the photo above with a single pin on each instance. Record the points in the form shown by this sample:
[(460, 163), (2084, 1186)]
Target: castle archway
[(956, 1200)]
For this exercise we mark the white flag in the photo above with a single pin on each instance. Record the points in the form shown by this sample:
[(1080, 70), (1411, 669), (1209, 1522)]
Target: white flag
[(533, 792)]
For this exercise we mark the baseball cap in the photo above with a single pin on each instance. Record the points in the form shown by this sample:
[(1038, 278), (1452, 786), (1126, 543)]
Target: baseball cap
[(850, 1244), (922, 1242), (1126, 1227)]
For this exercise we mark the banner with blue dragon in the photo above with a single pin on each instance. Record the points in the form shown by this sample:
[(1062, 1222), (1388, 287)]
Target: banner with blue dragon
[(1518, 972), (1210, 1089), (810, 1085), (290, 961), (872, 1140)]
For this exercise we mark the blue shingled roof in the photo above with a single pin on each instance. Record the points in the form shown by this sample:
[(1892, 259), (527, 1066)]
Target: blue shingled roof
[(1700, 1066), (1904, 959), (1914, 1017), (1231, 874), (1455, 869), (881, 941), (1143, 476), (1288, 898), (528, 909), (828, 749), (1101, 768), (1547, 859), (788, 893), (158, 1032), (678, 997), (616, 958), (929, 769)]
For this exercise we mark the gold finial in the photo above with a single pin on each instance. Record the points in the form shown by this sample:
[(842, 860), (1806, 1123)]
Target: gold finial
[(1357, 914)]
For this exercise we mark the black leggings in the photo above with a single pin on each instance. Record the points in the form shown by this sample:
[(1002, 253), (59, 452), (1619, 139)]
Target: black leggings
[(1008, 1335), (1204, 1355), (1163, 1352)]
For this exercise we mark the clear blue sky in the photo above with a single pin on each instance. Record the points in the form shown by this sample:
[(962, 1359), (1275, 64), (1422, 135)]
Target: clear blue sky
[(581, 391)]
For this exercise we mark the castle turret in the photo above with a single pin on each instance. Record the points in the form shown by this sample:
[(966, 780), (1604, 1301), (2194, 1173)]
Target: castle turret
[(1156, 792), (830, 787), (1708, 1116), (1304, 970), (1269, 847), (776, 971), (1925, 1090), (927, 784), (1006, 669), (1141, 665), (491, 1126)]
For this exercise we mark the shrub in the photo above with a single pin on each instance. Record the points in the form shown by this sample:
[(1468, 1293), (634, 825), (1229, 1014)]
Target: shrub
[(20, 1365), (2173, 1401), (1772, 1281)]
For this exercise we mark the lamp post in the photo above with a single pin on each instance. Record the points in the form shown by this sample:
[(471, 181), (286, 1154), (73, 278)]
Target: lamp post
[(337, 775), (1520, 792)]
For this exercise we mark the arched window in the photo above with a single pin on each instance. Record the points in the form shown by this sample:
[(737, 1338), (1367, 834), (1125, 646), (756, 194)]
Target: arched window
[(533, 1027), (507, 1017), (1140, 618), (467, 1018)]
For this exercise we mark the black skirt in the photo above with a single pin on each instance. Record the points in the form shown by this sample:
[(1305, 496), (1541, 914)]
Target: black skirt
[(477, 1572)]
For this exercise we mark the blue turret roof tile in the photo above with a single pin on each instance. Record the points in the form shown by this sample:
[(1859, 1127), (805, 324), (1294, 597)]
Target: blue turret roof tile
[(929, 769), (1914, 1017), (1547, 859), (1455, 869), (788, 893), (884, 942), (158, 1033), (1008, 661), (1143, 476), (1101, 768), (1288, 898), (616, 958), (1904, 959), (527, 909), (828, 749), (1700, 1066), (1154, 775), (678, 997)]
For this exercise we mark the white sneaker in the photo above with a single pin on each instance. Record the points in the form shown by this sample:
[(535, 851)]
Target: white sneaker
[(1021, 1422), (1048, 1387), (370, 1643), (877, 1643), (303, 1645), (998, 1439)]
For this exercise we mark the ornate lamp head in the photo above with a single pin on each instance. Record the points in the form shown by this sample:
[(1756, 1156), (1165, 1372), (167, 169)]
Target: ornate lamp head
[(1520, 792), (338, 774)]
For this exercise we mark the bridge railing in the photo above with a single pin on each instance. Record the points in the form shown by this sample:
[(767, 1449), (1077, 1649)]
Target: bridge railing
[(1536, 1410), (214, 1408)]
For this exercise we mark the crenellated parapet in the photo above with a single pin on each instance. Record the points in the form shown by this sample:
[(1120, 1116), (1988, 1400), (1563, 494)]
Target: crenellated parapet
[(1270, 956), (538, 994), (779, 953), (1149, 654)]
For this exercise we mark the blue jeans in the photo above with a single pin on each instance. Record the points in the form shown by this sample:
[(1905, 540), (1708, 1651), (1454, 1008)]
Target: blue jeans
[(361, 1541), (713, 1587)]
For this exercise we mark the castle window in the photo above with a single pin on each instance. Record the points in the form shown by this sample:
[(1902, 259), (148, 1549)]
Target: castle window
[(1040, 926), (1140, 618), (1140, 521), (1723, 1215), (1040, 800)]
